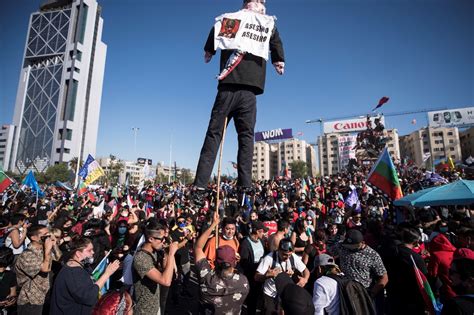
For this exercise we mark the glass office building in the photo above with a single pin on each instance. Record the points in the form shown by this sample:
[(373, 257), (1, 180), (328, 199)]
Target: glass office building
[(58, 100)]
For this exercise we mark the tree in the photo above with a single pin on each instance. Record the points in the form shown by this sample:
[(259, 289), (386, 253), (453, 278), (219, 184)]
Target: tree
[(59, 172), (299, 169), (73, 164), (115, 167), (186, 176)]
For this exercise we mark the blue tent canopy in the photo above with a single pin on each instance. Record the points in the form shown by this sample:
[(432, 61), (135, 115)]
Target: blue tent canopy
[(460, 192)]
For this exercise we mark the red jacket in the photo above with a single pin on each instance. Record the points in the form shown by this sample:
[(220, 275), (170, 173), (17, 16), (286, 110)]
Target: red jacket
[(442, 252)]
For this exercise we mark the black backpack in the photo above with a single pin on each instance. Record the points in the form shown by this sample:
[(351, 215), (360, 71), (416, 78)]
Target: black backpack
[(354, 298)]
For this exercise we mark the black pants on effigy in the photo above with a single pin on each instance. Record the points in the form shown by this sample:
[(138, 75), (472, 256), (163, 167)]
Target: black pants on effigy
[(238, 104)]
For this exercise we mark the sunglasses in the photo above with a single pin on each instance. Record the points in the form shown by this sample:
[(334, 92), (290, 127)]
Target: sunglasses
[(286, 246)]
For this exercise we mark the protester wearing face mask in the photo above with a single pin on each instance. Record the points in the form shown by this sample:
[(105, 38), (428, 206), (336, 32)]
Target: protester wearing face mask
[(74, 292), (32, 270), (227, 237)]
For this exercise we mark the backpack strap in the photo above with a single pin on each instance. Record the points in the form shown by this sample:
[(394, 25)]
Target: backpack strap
[(274, 260)]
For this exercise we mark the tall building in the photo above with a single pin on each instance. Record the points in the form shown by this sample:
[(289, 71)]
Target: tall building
[(329, 155), (269, 158), (59, 92), (466, 139), (431, 145), (6, 142)]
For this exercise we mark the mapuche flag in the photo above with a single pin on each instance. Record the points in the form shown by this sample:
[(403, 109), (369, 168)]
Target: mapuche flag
[(425, 290), (5, 181), (383, 176)]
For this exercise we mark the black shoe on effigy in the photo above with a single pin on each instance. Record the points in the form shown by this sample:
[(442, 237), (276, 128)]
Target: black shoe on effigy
[(198, 196)]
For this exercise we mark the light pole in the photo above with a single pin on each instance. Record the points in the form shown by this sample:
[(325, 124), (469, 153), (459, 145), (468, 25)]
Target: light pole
[(135, 131)]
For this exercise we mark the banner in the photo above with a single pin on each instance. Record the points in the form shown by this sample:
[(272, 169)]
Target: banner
[(451, 117), (274, 134), (244, 30), (349, 125), (346, 151)]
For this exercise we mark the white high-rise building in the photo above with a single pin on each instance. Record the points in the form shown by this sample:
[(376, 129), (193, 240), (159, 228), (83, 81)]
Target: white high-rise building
[(59, 93)]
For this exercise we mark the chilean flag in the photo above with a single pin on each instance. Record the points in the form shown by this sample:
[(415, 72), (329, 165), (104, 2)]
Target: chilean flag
[(382, 101)]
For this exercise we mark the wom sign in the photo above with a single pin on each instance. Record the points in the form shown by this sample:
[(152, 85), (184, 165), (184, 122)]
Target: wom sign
[(274, 134)]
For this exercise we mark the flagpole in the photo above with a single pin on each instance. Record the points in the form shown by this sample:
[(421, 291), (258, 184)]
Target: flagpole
[(219, 177), (171, 146)]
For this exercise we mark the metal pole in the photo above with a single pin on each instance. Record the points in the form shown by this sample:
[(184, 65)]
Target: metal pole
[(219, 178), (135, 131), (169, 171)]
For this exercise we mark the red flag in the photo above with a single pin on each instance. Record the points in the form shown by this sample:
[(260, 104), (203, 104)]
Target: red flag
[(91, 197), (382, 101)]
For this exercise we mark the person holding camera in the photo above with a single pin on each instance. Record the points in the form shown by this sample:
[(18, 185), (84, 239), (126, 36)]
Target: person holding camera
[(32, 270), (282, 260), (146, 270), (223, 290)]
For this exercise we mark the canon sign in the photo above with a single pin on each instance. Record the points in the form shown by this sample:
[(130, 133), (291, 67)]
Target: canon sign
[(350, 125)]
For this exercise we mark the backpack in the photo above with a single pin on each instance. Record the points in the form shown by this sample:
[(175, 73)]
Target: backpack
[(296, 272), (354, 298)]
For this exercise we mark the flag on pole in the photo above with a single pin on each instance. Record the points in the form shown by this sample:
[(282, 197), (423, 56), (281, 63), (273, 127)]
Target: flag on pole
[(82, 189), (99, 271), (383, 176), (425, 290), (30, 181), (5, 181), (353, 199), (451, 164), (382, 101), (91, 171)]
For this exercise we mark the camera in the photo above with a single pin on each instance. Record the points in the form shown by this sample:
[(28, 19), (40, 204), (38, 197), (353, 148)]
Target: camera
[(45, 237)]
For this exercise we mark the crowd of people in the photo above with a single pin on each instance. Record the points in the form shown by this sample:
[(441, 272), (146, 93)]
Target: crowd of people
[(292, 246)]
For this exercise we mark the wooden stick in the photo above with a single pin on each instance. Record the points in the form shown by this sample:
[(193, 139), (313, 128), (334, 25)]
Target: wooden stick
[(219, 177)]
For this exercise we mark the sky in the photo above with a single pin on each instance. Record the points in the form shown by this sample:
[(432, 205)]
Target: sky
[(341, 56)]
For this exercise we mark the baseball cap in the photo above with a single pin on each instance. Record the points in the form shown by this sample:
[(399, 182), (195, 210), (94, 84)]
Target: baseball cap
[(285, 245), (226, 254), (353, 236), (294, 299), (324, 260)]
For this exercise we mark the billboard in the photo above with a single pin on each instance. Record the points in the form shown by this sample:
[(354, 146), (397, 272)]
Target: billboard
[(457, 117), (143, 161), (349, 125), (274, 134), (346, 146)]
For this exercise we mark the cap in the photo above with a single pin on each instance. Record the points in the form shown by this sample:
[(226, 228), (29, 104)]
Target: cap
[(258, 225), (285, 245), (226, 254), (353, 236), (294, 299), (324, 260)]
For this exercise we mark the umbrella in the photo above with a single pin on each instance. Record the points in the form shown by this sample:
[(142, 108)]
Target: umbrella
[(460, 192)]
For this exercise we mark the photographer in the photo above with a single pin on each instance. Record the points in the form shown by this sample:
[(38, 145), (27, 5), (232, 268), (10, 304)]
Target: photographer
[(32, 270), (147, 276)]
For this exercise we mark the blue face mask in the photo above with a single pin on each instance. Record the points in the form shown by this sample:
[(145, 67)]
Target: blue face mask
[(122, 230), (182, 225), (443, 229)]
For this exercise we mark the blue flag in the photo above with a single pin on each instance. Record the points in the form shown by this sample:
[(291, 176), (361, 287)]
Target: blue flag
[(30, 181)]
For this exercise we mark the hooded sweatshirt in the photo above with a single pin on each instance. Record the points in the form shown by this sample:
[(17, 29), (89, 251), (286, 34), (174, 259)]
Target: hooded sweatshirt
[(442, 252)]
